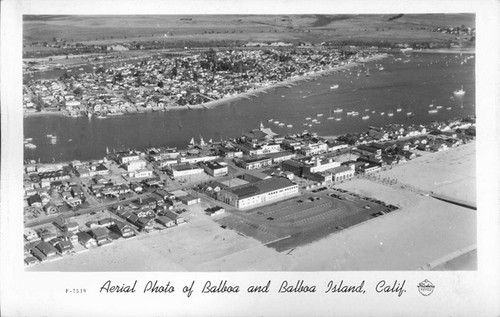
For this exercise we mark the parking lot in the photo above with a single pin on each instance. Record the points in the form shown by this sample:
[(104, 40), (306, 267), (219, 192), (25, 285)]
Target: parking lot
[(304, 219)]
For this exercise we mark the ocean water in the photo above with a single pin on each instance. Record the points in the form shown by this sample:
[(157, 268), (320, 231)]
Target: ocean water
[(411, 83)]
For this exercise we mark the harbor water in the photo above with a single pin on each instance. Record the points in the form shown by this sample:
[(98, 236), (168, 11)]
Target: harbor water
[(374, 94)]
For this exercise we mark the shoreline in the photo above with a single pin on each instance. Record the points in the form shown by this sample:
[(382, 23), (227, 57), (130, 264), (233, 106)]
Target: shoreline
[(252, 93)]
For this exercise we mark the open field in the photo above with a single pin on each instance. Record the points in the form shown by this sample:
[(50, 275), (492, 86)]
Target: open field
[(180, 31)]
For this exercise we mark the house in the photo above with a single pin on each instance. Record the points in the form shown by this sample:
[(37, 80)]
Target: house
[(145, 224), (50, 209), (214, 211), (71, 227), (46, 248), (100, 235), (106, 222), (86, 240), (35, 201), (214, 169), (189, 200), (342, 173), (172, 215), (165, 221), (69, 236), (64, 247), (30, 260), (124, 229), (38, 254), (30, 235)]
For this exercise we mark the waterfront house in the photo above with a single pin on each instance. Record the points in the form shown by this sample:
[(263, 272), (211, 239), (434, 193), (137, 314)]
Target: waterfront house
[(165, 221), (342, 173), (64, 247), (124, 229), (145, 224), (86, 240), (46, 248), (101, 235)]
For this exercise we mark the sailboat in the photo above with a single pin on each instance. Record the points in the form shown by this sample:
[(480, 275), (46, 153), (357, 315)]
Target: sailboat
[(460, 92), (331, 117)]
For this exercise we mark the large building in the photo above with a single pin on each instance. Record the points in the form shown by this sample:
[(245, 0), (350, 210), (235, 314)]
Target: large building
[(259, 192)]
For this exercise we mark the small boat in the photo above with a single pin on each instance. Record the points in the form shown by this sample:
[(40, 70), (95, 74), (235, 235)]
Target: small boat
[(69, 140), (338, 119), (317, 122), (367, 109), (338, 110), (319, 115), (431, 105), (449, 108), (399, 109), (373, 111), (276, 122), (390, 114), (382, 113), (270, 120), (29, 139), (460, 92), (289, 126), (409, 113), (281, 124), (30, 146), (439, 107), (334, 87), (365, 117), (330, 118), (101, 117), (433, 111), (308, 118), (381, 67), (49, 135)]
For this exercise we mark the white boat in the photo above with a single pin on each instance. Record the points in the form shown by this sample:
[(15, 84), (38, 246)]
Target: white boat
[(270, 120), (460, 92), (338, 119), (439, 107), (409, 113), (390, 114), (382, 113), (399, 109), (30, 146), (276, 122), (319, 115), (49, 135), (431, 105), (101, 117), (381, 68), (367, 109), (433, 111), (281, 124), (317, 122), (330, 118), (314, 120), (289, 126), (338, 110), (334, 87), (365, 117), (28, 139), (449, 108), (308, 118)]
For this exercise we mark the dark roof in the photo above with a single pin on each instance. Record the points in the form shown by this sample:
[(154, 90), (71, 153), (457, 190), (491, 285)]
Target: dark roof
[(46, 248)]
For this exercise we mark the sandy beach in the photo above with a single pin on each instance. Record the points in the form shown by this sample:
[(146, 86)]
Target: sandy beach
[(423, 234)]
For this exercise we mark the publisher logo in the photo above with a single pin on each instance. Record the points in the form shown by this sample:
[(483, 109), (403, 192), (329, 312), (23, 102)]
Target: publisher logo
[(425, 287)]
